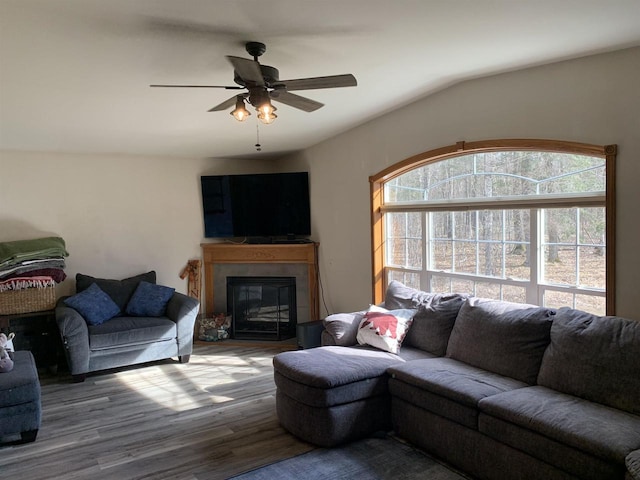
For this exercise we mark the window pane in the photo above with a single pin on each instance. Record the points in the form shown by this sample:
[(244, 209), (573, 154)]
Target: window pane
[(499, 174), (442, 255), (462, 286), (560, 265), (490, 260), (410, 279), (465, 257), (404, 239), (592, 304), (557, 299), (592, 226), (490, 225), (465, 225), (441, 225), (592, 267), (440, 284), (512, 293), (487, 290), (560, 226)]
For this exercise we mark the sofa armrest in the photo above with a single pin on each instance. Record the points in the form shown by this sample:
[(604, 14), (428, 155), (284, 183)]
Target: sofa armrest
[(341, 329), (183, 310), (633, 465), (75, 337)]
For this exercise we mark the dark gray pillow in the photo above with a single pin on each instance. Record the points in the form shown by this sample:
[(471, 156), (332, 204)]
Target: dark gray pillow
[(120, 291), (433, 323), (502, 337), (400, 296), (596, 358), (343, 327), (434, 320)]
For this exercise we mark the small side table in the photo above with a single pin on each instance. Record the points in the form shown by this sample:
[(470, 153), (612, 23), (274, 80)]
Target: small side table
[(37, 332), (309, 334)]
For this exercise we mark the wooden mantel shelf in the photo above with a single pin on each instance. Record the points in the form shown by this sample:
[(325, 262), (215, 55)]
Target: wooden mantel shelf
[(298, 253)]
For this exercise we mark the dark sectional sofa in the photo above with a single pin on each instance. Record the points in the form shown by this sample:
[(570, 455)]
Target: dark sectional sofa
[(499, 390)]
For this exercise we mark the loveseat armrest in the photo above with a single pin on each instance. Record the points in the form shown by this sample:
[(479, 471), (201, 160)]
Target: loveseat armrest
[(183, 310), (633, 465), (75, 337)]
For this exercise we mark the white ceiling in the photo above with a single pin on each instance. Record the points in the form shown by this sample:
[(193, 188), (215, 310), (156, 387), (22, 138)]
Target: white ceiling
[(75, 74)]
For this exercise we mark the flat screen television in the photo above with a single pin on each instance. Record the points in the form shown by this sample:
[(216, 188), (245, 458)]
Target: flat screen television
[(265, 206)]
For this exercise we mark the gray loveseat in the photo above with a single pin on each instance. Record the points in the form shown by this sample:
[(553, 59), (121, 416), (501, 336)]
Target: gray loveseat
[(499, 390), (131, 336)]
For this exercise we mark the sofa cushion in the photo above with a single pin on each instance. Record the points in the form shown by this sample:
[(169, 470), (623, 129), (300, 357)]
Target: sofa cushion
[(120, 291), (93, 304), (328, 376), (447, 387), (502, 337), (343, 327), (434, 320), (129, 331), (149, 300), (597, 358), (329, 367), (384, 329), (599, 430)]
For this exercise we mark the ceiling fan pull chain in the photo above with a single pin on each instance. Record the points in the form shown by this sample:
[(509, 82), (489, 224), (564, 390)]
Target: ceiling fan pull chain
[(257, 145)]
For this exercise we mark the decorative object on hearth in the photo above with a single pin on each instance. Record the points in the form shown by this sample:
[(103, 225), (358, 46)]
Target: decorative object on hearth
[(29, 271), (213, 329), (263, 84)]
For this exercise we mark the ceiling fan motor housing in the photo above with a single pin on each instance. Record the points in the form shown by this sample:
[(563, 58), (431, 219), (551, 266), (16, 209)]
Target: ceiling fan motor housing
[(271, 76)]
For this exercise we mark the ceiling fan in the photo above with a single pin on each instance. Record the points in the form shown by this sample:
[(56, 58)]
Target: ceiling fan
[(263, 84)]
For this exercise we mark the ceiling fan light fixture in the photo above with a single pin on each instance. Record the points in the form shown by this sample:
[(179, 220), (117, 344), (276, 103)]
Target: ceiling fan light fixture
[(240, 113), (266, 112)]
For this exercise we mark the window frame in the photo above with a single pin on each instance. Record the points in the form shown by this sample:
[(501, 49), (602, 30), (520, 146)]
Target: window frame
[(377, 181)]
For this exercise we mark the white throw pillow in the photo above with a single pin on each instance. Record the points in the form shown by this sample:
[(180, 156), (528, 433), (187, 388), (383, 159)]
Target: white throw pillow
[(385, 329)]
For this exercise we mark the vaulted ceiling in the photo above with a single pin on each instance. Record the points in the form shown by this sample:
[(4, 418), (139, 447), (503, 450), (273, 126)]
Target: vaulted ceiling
[(75, 74)]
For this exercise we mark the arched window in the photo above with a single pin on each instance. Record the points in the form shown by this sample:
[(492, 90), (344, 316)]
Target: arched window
[(527, 221)]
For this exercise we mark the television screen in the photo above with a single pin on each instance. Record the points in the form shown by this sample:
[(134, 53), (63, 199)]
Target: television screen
[(256, 205)]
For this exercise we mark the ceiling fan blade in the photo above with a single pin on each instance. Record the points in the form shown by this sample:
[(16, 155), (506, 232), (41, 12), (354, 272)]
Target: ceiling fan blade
[(296, 101), (332, 81), (224, 105), (248, 70), (226, 87)]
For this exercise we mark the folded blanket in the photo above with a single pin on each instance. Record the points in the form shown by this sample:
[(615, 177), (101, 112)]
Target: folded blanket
[(24, 283), (31, 265), (57, 274), (12, 253)]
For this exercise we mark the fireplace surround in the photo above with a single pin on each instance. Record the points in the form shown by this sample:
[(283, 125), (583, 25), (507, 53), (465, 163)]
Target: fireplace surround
[(222, 260)]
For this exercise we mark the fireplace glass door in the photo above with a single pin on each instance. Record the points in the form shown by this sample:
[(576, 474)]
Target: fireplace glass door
[(262, 308)]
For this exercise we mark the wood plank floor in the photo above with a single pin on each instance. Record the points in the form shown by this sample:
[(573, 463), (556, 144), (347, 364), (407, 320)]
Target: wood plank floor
[(209, 419)]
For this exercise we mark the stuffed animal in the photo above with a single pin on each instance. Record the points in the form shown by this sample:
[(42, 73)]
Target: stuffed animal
[(6, 353)]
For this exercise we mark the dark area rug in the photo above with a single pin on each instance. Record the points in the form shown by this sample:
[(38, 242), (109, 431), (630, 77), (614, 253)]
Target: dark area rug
[(368, 459)]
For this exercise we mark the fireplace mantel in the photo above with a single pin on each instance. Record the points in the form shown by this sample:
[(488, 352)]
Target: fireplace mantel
[(215, 254)]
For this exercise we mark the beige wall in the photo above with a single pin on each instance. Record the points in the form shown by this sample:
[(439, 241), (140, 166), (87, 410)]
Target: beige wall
[(119, 215), (591, 100), (122, 215)]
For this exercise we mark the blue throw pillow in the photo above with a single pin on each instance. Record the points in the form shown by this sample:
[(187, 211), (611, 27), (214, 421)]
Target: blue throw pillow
[(94, 305), (149, 300)]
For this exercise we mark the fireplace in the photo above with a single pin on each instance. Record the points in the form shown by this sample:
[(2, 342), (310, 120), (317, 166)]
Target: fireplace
[(222, 260), (262, 308)]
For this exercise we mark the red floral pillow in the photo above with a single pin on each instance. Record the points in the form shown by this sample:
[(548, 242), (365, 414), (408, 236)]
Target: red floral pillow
[(385, 329)]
